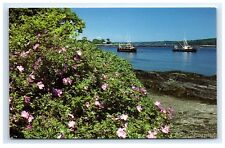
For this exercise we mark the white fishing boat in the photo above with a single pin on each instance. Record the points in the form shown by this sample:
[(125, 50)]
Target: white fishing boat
[(184, 48), (126, 48)]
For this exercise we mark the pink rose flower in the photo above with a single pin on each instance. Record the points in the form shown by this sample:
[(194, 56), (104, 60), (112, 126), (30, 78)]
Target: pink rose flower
[(151, 134), (143, 91), (26, 99), (38, 35), (165, 129), (139, 108), (157, 103), (32, 76), (30, 118), (25, 114), (124, 117), (135, 88), (27, 52), (67, 81), (98, 104), (40, 85), (37, 63), (23, 54), (104, 86), (29, 126), (121, 133), (57, 92), (20, 68), (36, 46), (71, 124)]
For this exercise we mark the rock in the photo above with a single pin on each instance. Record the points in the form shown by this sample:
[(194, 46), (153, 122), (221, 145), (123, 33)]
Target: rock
[(180, 84)]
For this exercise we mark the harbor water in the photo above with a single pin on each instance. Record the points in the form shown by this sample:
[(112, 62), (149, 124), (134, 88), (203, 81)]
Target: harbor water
[(164, 59)]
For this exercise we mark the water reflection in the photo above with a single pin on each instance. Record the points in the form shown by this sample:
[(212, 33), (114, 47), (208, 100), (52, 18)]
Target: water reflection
[(128, 55), (182, 57), (187, 56)]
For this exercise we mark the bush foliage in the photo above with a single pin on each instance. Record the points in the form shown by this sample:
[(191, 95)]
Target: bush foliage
[(61, 87)]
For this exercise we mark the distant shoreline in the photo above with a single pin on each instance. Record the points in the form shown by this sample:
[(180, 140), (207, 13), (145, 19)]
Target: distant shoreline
[(207, 42), (162, 46)]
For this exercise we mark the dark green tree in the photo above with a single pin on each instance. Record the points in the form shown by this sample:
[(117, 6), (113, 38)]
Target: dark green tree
[(108, 41)]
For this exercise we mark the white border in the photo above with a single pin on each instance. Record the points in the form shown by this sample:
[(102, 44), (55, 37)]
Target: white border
[(112, 3)]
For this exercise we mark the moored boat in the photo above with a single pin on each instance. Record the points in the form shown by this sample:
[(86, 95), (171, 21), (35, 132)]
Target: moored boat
[(184, 48), (126, 48)]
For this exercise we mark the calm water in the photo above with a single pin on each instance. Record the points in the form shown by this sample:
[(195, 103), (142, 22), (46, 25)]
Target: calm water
[(164, 59)]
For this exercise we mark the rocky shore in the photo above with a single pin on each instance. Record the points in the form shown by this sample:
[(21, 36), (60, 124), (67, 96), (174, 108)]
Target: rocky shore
[(180, 84), (192, 96)]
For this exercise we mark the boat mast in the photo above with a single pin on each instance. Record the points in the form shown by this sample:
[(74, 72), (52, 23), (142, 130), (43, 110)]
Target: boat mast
[(185, 42), (181, 45)]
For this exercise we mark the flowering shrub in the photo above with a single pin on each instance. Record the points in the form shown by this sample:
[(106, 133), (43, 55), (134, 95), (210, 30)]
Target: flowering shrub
[(64, 88)]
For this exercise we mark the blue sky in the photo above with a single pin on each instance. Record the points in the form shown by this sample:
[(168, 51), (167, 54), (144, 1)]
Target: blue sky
[(148, 24)]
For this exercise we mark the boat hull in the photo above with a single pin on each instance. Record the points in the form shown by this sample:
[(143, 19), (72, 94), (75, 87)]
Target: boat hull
[(185, 50), (127, 49)]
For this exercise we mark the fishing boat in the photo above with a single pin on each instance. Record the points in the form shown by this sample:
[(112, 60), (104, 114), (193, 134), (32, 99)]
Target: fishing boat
[(184, 48), (126, 48)]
